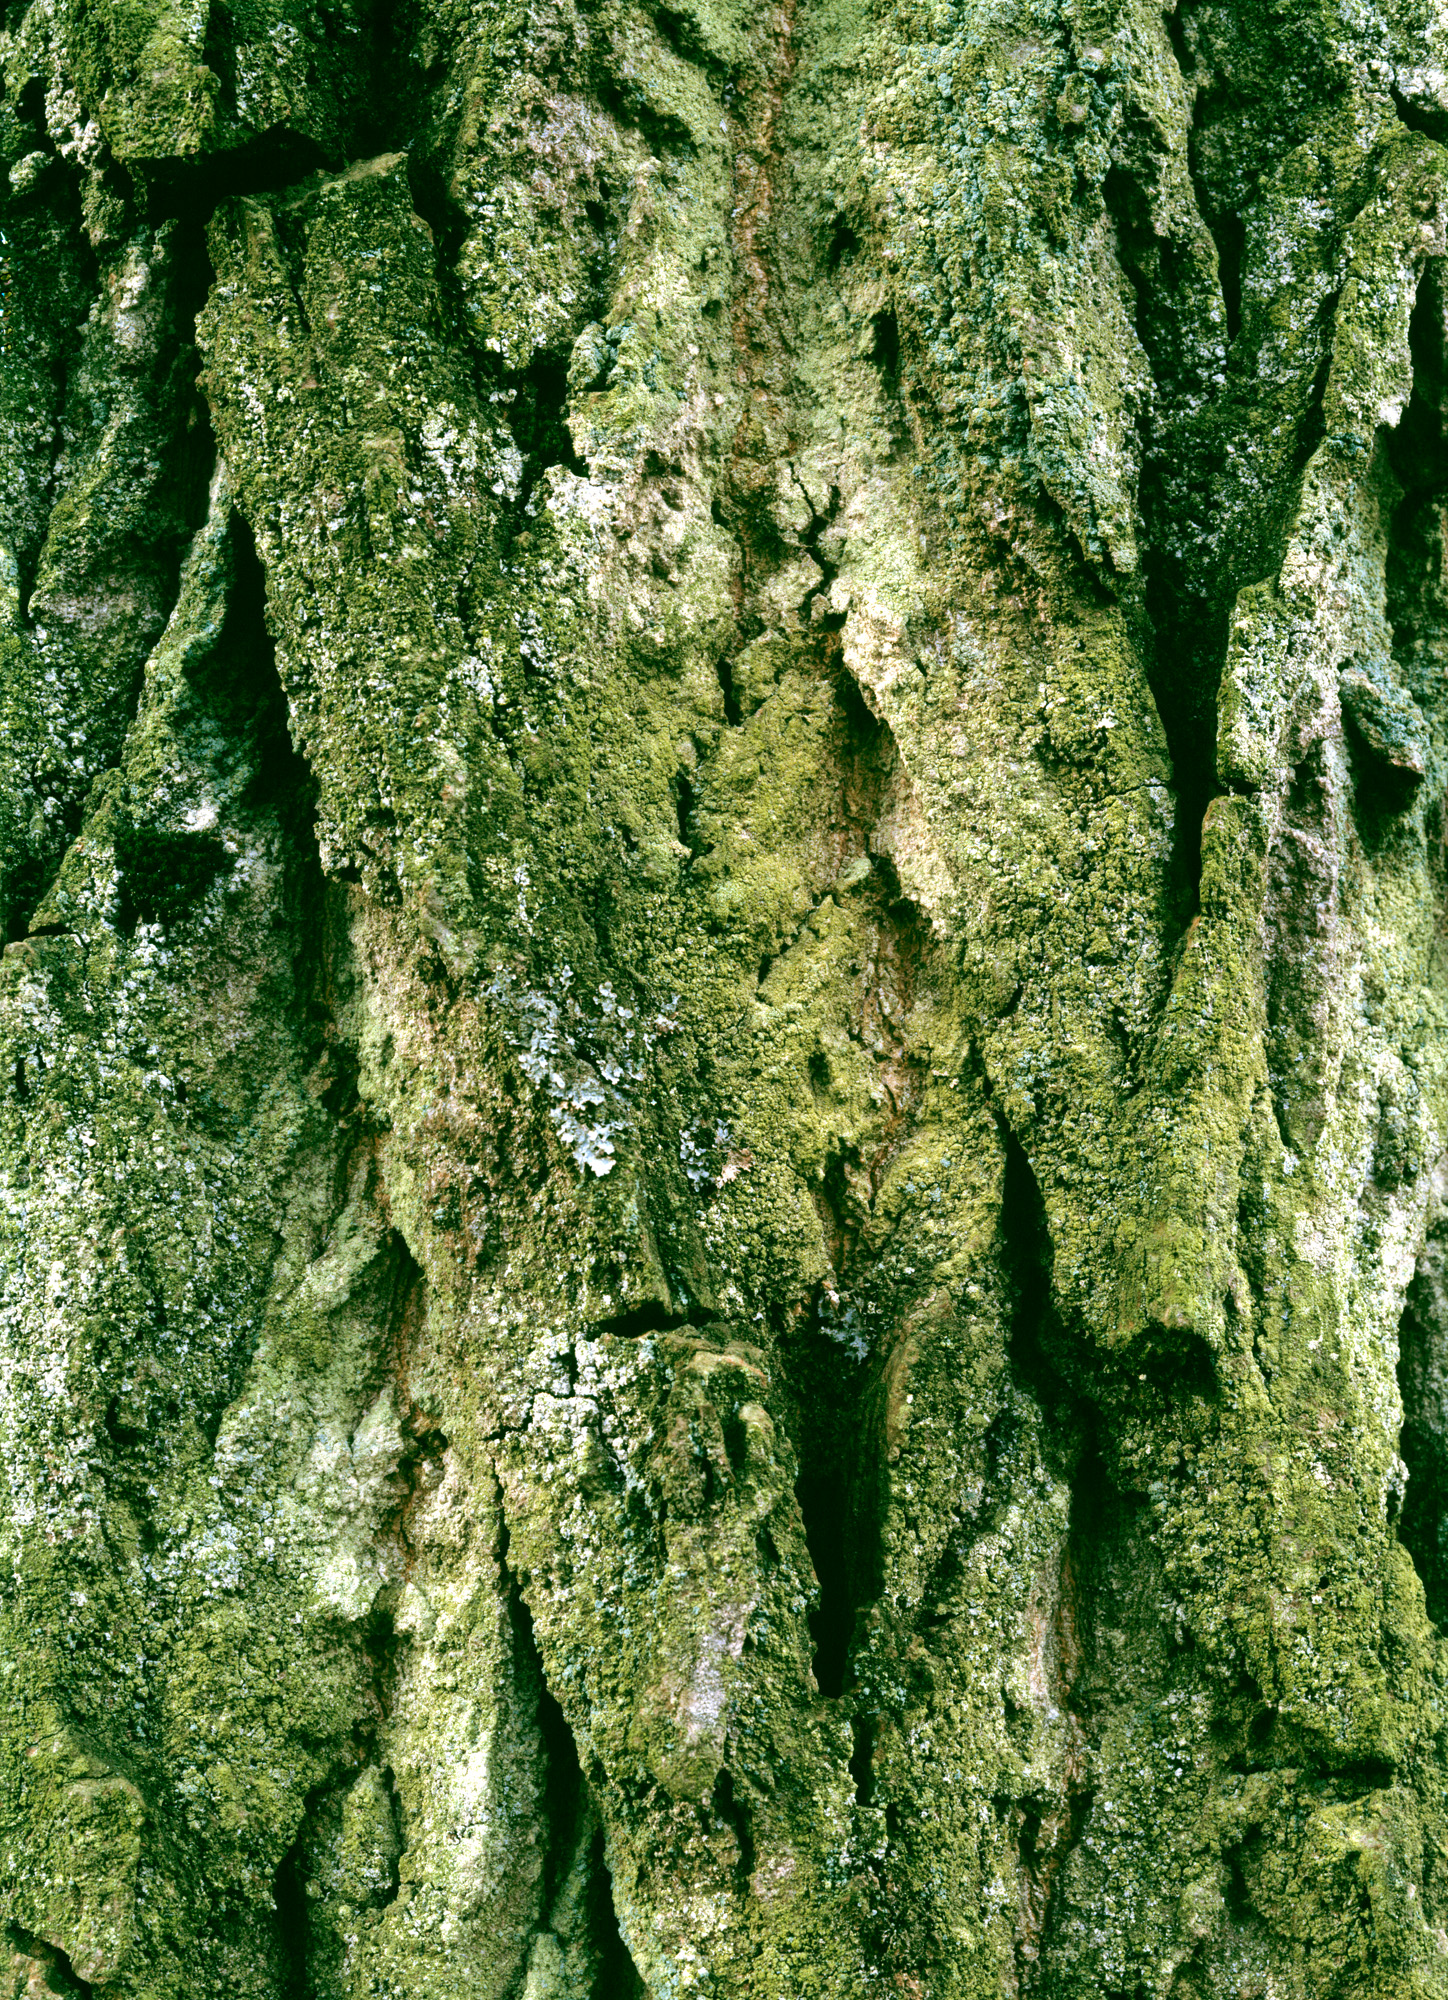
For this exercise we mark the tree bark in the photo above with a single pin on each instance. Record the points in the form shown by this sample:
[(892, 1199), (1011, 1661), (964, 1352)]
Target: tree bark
[(724, 1045)]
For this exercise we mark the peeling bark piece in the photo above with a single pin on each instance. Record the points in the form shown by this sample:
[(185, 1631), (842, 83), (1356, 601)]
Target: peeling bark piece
[(723, 1009)]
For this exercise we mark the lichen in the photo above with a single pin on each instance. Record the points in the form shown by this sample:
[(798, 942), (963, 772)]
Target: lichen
[(722, 738)]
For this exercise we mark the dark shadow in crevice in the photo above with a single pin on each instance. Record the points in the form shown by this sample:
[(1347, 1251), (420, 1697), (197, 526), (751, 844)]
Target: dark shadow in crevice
[(684, 807), (1060, 1383), (885, 348), (1389, 707), (835, 1417), (867, 761), (569, 1821), (836, 1203), (834, 1373), (241, 684), (733, 713), (377, 93), (234, 718), (1429, 119), (393, 1886), (1415, 444), (1312, 424), (46, 241), (444, 216), (683, 35), (617, 1977), (1423, 1441), (308, 1893), (25, 884), (1094, 1526), (538, 419), (147, 543), (663, 131), (811, 611), (735, 1814), (1188, 623), (123, 1436), (61, 1977), (1160, 272), (844, 242), (641, 1320), (1273, 1744), (1382, 792), (193, 188), (1042, 1361), (1208, 526), (1176, 29), (862, 1758), (162, 875), (824, 1503), (448, 224), (384, 1649), (238, 686), (30, 110), (1229, 233), (289, 1893), (1029, 1257), (389, 97), (1238, 1897), (829, 1405), (744, 508), (563, 1787), (192, 451), (1253, 1734), (1175, 1361)]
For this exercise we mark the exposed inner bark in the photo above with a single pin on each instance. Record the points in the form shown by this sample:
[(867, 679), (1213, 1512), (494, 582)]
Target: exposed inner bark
[(721, 822)]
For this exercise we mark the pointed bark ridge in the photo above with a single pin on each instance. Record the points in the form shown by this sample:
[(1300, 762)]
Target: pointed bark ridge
[(723, 734)]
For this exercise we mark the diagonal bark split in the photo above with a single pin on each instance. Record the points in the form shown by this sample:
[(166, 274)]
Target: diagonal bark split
[(723, 1019)]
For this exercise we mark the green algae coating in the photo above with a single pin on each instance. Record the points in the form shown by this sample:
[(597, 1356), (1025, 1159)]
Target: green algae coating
[(722, 1035)]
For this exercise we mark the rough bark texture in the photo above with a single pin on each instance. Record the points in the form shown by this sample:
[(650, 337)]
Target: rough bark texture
[(724, 1052)]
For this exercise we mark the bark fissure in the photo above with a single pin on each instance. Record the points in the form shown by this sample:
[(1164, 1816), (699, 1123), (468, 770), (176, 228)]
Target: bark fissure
[(721, 761)]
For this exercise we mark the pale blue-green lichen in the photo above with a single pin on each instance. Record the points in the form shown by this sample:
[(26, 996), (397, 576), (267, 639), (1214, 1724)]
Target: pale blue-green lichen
[(707, 1206)]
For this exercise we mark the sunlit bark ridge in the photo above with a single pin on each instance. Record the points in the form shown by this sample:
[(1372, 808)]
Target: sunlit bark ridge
[(724, 1045)]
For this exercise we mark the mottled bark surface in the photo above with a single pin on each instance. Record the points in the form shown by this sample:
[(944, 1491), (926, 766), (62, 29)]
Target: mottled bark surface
[(724, 1045)]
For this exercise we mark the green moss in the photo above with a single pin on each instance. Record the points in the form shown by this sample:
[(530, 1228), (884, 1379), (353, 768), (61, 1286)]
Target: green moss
[(705, 1214)]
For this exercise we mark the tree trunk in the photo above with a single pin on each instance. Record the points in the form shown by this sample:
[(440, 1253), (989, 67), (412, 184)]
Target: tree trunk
[(724, 1046)]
